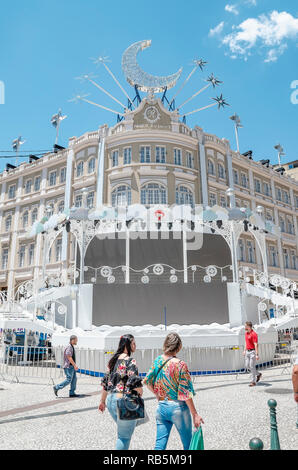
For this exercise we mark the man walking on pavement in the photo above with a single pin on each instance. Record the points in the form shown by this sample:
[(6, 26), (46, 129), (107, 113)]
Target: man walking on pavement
[(251, 353), (70, 368)]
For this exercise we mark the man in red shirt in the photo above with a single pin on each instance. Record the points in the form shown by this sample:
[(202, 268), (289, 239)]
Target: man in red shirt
[(251, 353)]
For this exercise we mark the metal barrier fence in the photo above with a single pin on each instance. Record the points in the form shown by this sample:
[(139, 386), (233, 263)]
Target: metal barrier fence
[(19, 362)]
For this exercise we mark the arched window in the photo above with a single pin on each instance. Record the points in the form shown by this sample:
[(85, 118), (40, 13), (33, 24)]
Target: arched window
[(4, 262), (121, 196), (80, 169), (50, 210), (250, 252), (90, 200), (184, 196), (79, 200), (59, 249), (115, 158), (211, 167), (63, 175), (221, 171), (212, 199), (241, 251), (8, 222), (28, 186), (153, 193), (127, 156), (37, 182), (22, 254), (25, 219), (282, 224), (91, 165), (34, 215)]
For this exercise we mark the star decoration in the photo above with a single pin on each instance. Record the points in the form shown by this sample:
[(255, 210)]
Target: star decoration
[(86, 76), (200, 63), (213, 80), (78, 98), (100, 60), (221, 101)]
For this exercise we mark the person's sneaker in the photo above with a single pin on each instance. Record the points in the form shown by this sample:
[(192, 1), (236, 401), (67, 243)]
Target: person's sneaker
[(74, 396), (253, 384), (55, 391), (259, 377)]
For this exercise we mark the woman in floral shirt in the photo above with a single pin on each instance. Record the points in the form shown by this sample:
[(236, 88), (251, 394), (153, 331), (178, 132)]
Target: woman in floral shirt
[(122, 376), (170, 381)]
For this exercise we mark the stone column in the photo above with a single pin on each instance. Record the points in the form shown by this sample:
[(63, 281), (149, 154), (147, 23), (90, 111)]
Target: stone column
[(251, 182), (203, 170), (100, 167), (39, 242), (3, 192), (2, 200), (13, 261), (231, 176), (67, 204), (279, 245), (294, 216), (13, 258), (41, 213)]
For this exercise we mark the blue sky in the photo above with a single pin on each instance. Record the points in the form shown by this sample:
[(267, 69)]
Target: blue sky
[(251, 45)]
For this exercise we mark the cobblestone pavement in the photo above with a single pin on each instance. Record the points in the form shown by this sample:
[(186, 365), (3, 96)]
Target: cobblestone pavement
[(233, 414)]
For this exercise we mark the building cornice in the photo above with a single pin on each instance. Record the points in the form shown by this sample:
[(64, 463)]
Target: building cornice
[(155, 136)]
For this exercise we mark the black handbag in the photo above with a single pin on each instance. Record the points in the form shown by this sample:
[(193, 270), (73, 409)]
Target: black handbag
[(131, 406)]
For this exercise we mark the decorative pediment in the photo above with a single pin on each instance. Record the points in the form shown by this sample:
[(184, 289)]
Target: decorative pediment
[(151, 114)]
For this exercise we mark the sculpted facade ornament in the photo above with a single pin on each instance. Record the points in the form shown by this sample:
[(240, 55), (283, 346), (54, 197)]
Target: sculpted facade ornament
[(151, 114)]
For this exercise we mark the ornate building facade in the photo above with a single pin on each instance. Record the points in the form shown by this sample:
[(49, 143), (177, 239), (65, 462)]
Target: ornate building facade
[(150, 157)]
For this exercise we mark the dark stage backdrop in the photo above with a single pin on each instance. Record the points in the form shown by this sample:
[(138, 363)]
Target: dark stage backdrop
[(139, 304)]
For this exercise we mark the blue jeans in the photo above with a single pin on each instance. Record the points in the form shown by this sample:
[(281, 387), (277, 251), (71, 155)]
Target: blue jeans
[(71, 379), (169, 413), (125, 428)]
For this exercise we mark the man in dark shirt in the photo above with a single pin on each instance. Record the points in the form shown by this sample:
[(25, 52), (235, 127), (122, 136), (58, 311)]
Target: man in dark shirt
[(70, 368)]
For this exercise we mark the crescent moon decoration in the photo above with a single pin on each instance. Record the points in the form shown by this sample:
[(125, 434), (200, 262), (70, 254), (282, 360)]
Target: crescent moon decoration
[(145, 82), (137, 77)]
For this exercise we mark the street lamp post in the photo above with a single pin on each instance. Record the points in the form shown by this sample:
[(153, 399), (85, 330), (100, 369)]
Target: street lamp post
[(238, 125), (16, 144), (281, 153), (56, 121)]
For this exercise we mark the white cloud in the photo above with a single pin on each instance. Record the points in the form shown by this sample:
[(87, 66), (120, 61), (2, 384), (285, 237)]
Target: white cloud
[(268, 31), (252, 3), (217, 30), (274, 54), (232, 9)]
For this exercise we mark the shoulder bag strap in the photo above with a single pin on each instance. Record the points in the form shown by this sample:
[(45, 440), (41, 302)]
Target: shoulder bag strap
[(161, 367)]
